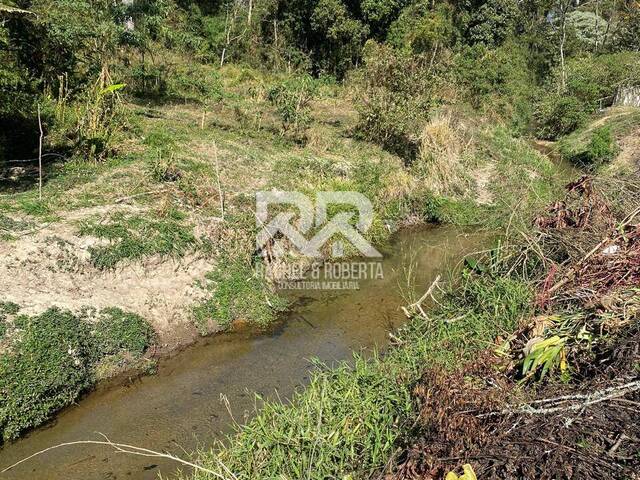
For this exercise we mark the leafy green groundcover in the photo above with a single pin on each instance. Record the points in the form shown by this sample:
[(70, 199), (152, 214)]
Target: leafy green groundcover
[(47, 360)]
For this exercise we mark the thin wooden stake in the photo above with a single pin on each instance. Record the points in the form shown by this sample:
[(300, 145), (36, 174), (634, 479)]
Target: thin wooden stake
[(40, 155), (220, 192)]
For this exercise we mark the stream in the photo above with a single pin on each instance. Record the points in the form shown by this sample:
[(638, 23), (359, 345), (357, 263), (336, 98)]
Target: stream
[(180, 409)]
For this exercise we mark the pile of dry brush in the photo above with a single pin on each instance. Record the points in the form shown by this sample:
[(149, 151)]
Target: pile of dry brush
[(506, 414)]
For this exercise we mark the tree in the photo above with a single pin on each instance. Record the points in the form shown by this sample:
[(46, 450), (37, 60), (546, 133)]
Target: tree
[(341, 36)]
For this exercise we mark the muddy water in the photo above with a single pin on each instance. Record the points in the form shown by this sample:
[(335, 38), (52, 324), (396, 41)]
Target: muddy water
[(180, 407)]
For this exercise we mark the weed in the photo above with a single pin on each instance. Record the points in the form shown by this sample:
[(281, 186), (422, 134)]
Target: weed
[(237, 292), (52, 357), (134, 237), (291, 100), (118, 331), (34, 207), (8, 224), (601, 149), (45, 371), (161, 170)]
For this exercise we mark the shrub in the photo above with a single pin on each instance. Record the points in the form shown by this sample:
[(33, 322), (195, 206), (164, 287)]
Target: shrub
[(188, 83), (498, 80), (161, 170), (592, 82), (393, 96), (558, 115), (292, 100), (195, 83), (601, 149), (341, 36), (422, 27)]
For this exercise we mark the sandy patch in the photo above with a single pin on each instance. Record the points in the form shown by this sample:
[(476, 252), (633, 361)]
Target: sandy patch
[(50, 267), (483, 178)]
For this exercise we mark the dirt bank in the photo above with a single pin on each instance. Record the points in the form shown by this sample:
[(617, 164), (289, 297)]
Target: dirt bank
[(49, 265)]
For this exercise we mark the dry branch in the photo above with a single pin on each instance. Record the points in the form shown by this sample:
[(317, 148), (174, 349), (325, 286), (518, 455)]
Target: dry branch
[(587, 400), (122, 448), (417, 306)]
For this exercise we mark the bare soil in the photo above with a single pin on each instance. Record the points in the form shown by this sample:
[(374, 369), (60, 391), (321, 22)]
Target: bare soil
[(49, 266)]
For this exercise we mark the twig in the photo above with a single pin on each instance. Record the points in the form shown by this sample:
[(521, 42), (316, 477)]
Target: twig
[(40, 155), (616, 445), (119, 447), (418, 304), (589, 399), (595, 249), (220, 193)]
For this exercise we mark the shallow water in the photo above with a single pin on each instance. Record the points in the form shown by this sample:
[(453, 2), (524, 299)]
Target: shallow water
[(180, 408)]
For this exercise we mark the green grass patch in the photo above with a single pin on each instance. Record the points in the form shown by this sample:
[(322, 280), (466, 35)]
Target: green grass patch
[(349, 419), (132, 237), (237, 292), (47, 360), (524, 180)]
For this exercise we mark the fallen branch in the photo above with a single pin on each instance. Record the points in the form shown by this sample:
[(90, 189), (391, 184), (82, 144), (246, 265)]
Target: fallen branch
[(599, 396), (122, 448), (411, 309)]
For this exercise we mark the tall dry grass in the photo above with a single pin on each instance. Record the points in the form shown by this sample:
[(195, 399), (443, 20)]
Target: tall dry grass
[(445, 152)]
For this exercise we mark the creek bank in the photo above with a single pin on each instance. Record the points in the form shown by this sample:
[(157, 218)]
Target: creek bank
[(181, 404)]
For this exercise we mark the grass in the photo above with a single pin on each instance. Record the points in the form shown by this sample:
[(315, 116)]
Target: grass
[(237, 291), (348, 420), (132, 237)]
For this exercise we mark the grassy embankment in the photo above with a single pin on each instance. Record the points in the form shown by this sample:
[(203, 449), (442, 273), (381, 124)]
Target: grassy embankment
[(173, 161), (350, 421)]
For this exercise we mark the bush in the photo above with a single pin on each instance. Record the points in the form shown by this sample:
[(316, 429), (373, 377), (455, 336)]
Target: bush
[(498, 80), (558, 115), (601, 149), (195, 83), (188, 83), (592, 82), (292, 100), (49, 359), (393, 94), (421, 27)]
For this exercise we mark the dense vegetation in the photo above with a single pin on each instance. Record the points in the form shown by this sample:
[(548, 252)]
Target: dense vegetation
[(543, 65), (47, 360)]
